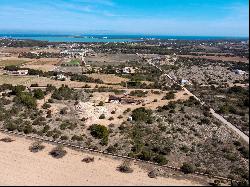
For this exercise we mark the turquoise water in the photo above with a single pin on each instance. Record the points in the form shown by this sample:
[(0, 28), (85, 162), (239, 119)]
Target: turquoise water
[(110, 38), (72, 39)]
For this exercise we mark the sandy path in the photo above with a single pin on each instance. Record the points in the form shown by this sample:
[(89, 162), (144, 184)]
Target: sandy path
[(19, 166)]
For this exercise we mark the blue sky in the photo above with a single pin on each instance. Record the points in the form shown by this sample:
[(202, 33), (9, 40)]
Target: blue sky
[(155, 17)]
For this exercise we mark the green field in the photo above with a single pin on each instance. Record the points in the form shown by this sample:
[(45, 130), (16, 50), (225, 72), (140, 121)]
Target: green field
[(75, 62)]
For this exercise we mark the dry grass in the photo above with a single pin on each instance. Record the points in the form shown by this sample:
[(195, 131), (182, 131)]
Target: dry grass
[(12, 62), (8, 79), (108, 78), (6, 140)]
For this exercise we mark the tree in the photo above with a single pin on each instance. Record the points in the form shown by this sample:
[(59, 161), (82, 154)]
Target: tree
[(16, 90)]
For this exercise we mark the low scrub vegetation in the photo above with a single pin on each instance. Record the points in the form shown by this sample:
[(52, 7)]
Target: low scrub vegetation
[(125, 167), (36, 147)]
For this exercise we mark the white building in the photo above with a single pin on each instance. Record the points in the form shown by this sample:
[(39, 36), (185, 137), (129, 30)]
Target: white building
[(128, 70), (184, 82), (239, 72), (19, 72), (61, 77)]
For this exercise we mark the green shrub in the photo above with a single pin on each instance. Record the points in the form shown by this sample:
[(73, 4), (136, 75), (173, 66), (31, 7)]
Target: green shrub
[(38, 94), (244, 151), (160, 159), (46, 106), (26, 99), (100, 132), (111, 118), (16, 90), (101, 103), (64, 137), (28, 129), (10, 126), (142, 114), (187, 168), (102, 116), (138, 93), (77, 138), (146, 155), (169, 96)]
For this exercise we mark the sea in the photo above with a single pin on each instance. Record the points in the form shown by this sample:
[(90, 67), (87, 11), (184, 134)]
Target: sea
[(110, 38)]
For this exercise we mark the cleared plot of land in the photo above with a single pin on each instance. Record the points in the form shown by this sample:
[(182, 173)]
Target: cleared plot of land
[(8, 61), (223, 58), (21, 167), (91, 111), (43, 81), (15, 80), (14, 50), (111, 59), (47, 50), (108, 78), (44, 67), (45, 61)]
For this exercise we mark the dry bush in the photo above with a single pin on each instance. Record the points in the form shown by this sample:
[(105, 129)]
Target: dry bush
[(155, 173), (36, 147), (7, 140), (152, 174), (88, 159), (125, 167), (58, 152)]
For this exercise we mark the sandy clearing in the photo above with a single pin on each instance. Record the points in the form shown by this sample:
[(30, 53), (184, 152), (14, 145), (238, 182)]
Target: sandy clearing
[(92, 111), (21, 167), (44, 67)]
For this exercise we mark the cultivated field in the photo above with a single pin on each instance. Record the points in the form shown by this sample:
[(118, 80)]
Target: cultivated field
[(111, 59)]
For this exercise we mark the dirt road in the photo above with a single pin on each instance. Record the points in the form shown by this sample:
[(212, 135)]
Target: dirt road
[(231, 126)]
